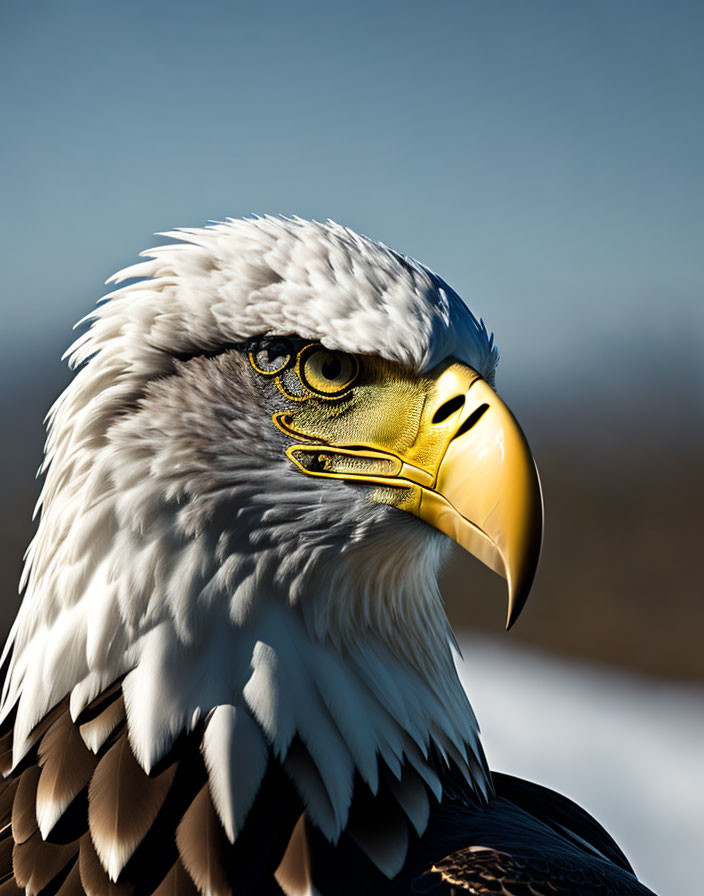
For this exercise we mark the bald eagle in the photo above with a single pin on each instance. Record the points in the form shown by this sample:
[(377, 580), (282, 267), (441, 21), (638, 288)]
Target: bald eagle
[(232, 670)]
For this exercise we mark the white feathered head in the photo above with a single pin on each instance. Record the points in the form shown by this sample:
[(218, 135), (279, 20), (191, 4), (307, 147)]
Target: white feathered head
[(273, 427)]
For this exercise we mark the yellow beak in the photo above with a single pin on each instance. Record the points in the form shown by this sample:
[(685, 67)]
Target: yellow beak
[(486, 495), (468, 472)]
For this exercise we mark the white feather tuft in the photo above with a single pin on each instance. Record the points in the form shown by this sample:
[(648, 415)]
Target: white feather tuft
[(236, 757)]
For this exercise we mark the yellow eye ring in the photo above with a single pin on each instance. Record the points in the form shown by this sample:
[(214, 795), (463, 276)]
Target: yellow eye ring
[(328, 372), (271, 357)]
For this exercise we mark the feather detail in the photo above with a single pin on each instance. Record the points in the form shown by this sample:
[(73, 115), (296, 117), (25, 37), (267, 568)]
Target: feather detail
[(343, 697), (294, 873), (24, 815), (7, 797), (98, 729), (269, 706), (380, 824), (422, 767), (236, 756), (72, 884), (384, 843), (66, 768), (203, 846), (6, 752), (123, 802), (412, 795), (94, 878), (37, 863), (21, 750), (176, 883), (102, 702), (306, 777), (9, 888)]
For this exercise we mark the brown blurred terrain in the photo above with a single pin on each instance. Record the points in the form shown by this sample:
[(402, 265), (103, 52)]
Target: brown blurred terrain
[(620, 580)]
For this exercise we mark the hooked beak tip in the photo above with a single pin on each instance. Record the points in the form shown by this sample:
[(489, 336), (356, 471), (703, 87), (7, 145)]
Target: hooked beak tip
[(516, 602)]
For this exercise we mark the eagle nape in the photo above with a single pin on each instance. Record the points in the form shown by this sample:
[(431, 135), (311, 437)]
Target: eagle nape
[(232, 668)]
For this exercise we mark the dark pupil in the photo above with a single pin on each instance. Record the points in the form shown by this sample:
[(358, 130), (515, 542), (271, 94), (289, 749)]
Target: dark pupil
[(331, 368)]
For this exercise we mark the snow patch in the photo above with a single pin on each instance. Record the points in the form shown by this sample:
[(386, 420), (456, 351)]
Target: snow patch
[(628, 749)]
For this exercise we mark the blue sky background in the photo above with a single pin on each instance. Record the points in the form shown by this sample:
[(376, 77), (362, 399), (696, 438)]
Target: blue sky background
[(544, 157)]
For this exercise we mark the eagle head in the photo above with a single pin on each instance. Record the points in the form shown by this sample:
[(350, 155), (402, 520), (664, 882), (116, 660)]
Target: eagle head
[(274, 426)]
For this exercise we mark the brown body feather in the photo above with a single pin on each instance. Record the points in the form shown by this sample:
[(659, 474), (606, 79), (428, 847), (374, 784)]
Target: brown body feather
[(66, 768), (203, 845), (24, 812), (113, 830), (119, 781), (36, 862), (176, 883)]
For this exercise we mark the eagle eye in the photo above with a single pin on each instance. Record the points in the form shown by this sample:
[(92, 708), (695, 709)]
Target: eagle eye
[(328, 372)]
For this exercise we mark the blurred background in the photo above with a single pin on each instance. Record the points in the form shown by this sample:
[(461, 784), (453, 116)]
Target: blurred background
[(546, 159)]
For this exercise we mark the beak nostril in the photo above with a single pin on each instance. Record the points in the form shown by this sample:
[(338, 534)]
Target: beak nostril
[(473, 418), (448, 408)]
